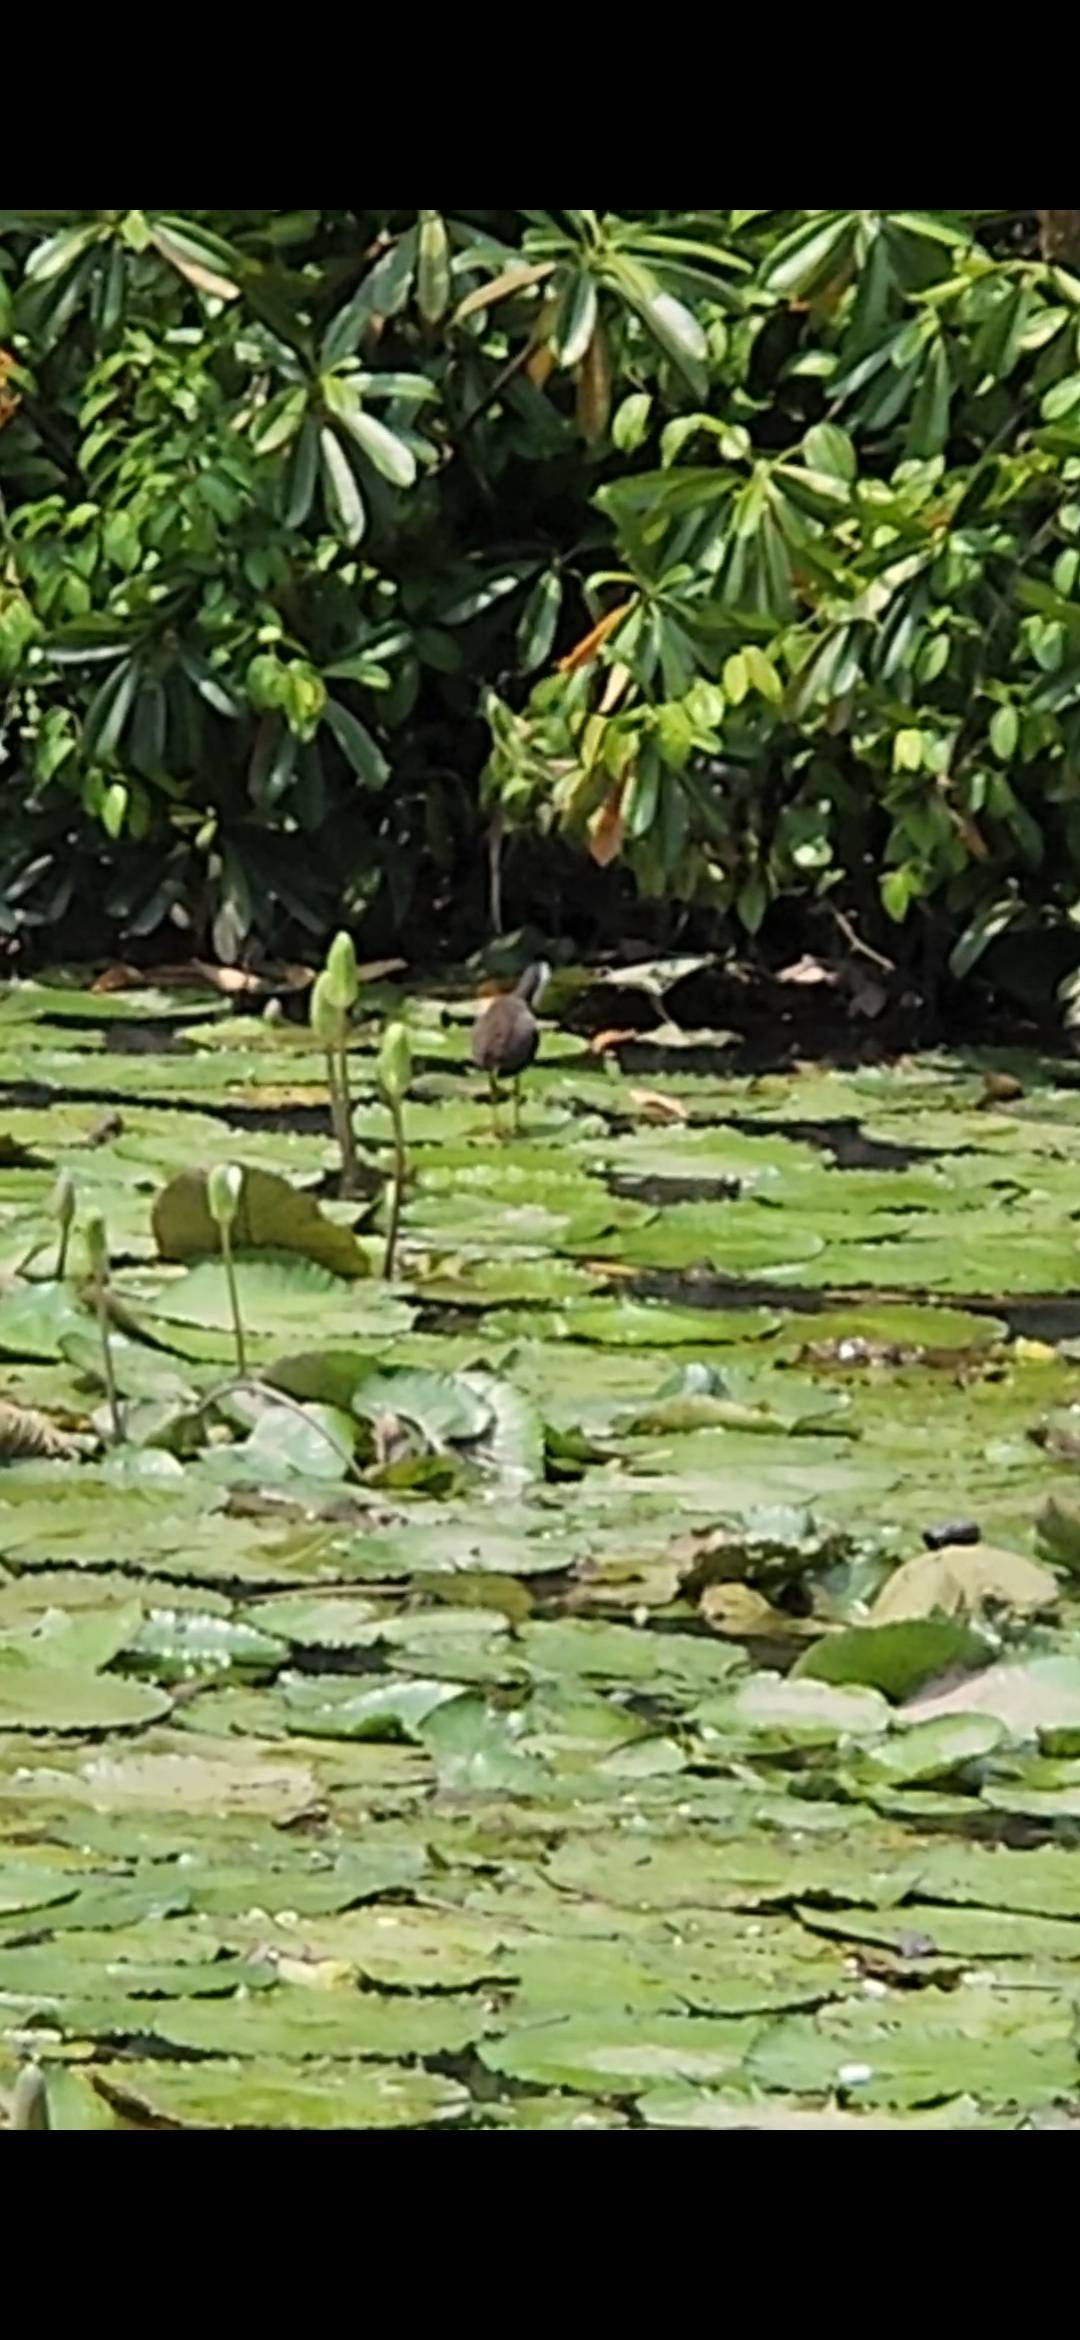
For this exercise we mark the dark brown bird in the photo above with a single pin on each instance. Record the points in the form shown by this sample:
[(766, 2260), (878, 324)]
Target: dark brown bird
[(506, 1036)]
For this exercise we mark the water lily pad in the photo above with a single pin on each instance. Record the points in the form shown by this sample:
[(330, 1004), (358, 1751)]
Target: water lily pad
[(728, 1239), (953, 1933), (619, 2055), (338, 1621), (275, 2094), (278, 1296), (651, 1324), (924, 2049), (798, 1712), (297, 2022), (340, 1708), (895, 1657), (1037, 1696), (931, 1750), (703, 2108), (36, 1318), (62, 1698)]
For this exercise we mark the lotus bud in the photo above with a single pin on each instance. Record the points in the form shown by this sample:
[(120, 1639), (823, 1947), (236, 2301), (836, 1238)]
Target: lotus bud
[(224, 1187), (97, 1244), (342, 981), (327, 1019), (62, 1200), (394, 1068)]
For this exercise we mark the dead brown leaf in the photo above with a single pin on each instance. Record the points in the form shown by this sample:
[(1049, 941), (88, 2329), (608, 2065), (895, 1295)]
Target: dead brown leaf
[(594, 388), (540, 365), (618, 677), (590, 642), (603, 1042), (231, 982), (999, 1089), (653, 1106), (605, 828), (960, 1579), (741, 1613), (807, 970)]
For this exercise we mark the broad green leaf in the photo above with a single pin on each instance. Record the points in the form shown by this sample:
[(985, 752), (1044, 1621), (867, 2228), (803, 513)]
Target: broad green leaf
[(356, 744), (384, 450), (346, 502)]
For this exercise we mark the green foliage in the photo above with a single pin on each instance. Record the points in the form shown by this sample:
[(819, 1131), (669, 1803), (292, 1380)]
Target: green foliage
[(753, 536)]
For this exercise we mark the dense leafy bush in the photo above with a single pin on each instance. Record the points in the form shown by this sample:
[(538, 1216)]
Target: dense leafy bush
[(742, 549)]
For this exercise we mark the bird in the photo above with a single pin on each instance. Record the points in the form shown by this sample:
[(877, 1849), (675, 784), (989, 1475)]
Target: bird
[(506, 1036)]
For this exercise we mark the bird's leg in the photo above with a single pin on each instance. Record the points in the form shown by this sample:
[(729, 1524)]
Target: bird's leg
[(493, 1092), (517, 1105)]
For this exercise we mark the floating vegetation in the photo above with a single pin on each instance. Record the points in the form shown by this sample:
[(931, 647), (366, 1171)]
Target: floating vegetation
[(627, 1673)]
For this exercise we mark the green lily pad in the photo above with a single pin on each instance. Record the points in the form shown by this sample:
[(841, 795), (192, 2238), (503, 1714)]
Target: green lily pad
[(325, 1706), (798, 1712), (338, 1621), (619, 2055), (931, 1750), (728, 1239), (223, 2094), (296, 2021), (62, 1698), (925, 2049), (673, 2108), (651, 1324), (278, 1296), (953, 1933), (896, 1657)]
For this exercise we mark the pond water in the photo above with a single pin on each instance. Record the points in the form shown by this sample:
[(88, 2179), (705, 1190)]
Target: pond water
[(626, 1673)]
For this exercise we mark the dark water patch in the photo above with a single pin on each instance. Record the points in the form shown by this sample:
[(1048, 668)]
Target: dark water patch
[(702, 1288), (659, 1191), (156, 1039), (844, 1140), (1049, 1317), (1052, 1317)]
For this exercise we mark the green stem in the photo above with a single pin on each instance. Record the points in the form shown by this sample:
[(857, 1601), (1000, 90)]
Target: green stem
[(255, 1386), (346, 1134), (101, 1304), (396, 1192), (62, 1252), (234, 1298), (30, 2102), (340, 1117)]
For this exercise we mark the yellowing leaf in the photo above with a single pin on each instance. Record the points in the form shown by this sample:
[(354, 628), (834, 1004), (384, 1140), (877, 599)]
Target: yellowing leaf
[(653, 1106), (594, 388), (606, 829), (590, 642), (512, 280)]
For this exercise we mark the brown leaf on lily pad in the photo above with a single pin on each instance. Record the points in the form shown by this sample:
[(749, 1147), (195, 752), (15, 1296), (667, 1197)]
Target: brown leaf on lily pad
[(962, 1579), (652, 1106), (743, 1614)]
